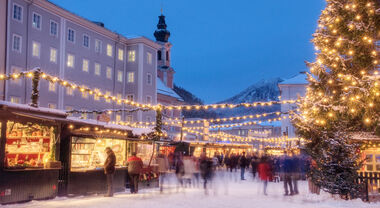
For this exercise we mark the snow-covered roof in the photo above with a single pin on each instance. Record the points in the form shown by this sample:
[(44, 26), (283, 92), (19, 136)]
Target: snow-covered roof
[(165, 90), (300, 79), (32, 109), (135, 131)]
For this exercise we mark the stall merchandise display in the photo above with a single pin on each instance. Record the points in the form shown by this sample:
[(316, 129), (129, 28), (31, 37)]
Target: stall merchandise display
[(89, 153), (144, 151), (28, 145)]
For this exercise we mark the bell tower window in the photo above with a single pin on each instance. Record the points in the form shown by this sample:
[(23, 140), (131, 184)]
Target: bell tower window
[(159, 55)]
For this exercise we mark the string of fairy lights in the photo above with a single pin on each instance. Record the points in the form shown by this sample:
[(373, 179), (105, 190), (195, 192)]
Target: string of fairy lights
[(172, 122), (107, 97), (234, 138), (249, 123), (232, 118)]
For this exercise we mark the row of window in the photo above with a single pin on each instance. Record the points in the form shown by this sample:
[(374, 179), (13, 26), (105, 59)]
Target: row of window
[(36, 49), (71, 37)]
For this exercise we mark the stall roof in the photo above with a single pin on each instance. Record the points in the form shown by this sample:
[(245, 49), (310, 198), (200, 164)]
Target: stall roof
[(24, 107), (135, 131)]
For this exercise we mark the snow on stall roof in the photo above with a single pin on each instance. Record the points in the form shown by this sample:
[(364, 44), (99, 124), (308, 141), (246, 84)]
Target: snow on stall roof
[(33, 109), (298, 79), (135, 131), (165, 90)]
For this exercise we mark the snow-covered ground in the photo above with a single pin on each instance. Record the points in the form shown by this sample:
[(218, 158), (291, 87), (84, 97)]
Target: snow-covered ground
[(227, 191)]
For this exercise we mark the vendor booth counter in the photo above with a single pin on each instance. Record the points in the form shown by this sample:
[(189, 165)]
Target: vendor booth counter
[(29, 140), (83, 155)]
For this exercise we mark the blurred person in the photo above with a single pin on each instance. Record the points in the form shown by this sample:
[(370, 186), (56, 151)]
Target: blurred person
[(196, 173), (265, 173), (189, 170), (287, 168), (221, 159), (234, 161), (227, 162), (243, 164), (179, 170), (135, 166), (205, 165), (109, 170), (295, 166), (254, 165), (163, 167), (215, 161)]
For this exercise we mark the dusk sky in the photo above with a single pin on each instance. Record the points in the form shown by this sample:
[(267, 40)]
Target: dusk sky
[(220, 47)]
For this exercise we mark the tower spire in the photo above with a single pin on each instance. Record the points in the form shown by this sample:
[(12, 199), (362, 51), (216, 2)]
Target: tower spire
[(161, 34)]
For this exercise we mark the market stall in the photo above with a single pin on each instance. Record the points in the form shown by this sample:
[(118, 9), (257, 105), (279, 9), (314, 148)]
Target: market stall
[(145, 149), (83, 156), (29, 140), (211, 148)]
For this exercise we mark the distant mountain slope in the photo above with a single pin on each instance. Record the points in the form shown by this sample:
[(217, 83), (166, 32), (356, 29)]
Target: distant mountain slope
[(192, 99), (264, 90)]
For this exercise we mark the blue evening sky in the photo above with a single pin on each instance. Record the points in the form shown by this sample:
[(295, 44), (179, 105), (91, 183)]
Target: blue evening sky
[(220, 47)]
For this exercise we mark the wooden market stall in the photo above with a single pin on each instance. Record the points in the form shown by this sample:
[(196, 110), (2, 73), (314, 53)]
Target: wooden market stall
[(147, 151), (83, 154), (28, 148)]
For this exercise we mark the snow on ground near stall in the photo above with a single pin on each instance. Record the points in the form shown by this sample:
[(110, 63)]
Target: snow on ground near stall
[(227, 191)]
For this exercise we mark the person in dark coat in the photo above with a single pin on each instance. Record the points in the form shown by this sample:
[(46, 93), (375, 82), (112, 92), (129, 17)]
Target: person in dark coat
[(243, 164), (227, 162), (254, 164), (135, 166), (205, 166), (109, 170), (295, 173), (288, 170)]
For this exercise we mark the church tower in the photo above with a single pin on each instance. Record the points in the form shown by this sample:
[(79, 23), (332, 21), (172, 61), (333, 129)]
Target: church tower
[(164, 71)]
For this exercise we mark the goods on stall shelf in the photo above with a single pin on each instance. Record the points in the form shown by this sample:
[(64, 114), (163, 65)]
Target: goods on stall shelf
[(88, 153), (28, 145), (144, 151)]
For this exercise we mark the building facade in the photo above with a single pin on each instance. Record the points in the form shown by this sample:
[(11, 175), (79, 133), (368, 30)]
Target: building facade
[(41, 34), (291, 89)]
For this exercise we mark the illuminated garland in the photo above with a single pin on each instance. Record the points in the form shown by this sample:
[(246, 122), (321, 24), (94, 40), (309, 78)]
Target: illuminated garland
[(241, 124), (198, 121), (223, 136)]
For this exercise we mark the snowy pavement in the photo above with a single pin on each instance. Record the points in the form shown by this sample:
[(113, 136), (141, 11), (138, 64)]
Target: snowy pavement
[(227, 191)]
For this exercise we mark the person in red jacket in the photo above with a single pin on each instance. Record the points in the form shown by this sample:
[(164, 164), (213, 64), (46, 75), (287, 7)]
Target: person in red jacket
[(135, 166), (264, 172)]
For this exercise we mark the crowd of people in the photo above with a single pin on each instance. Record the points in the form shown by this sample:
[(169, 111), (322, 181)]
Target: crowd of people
[(191, 171)]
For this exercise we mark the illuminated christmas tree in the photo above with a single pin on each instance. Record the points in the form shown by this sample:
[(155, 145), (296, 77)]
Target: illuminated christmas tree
[(343, 95)]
